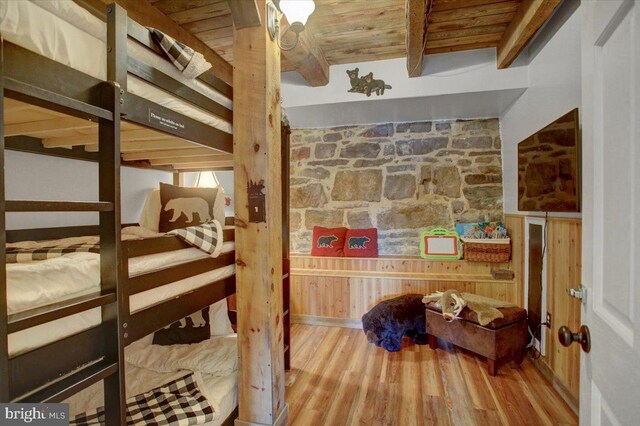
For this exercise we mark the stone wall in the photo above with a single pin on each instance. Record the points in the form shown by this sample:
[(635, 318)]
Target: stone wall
[(401, 178)]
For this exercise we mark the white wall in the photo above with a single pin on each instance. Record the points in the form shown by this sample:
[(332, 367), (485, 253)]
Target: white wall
[(38, 177), (452, 85), (554, 89)]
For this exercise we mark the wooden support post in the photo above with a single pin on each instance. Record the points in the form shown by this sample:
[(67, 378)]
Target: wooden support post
[(111, 267), (256, 140), (4, 341), (417, 23)]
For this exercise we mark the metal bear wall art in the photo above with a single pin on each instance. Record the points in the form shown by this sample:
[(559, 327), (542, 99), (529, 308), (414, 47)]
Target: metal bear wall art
[(366, 84)]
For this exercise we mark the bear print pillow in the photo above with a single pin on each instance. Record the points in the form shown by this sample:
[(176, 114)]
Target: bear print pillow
[(184, 207), (328, 241), (192, 329), (361, 243)]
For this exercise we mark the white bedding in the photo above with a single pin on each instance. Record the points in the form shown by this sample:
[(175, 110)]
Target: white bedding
[(34, 284), (221, 390), (65, 32)]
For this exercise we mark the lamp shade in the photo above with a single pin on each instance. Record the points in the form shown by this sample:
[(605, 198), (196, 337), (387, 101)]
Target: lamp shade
[(207, 180), (297, 10)]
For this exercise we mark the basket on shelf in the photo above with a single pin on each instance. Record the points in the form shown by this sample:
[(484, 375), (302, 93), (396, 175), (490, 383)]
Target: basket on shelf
[(487, 250)]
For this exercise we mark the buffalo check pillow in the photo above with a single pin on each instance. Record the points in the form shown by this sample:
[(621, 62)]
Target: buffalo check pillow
[(361, 243), (328, 241)]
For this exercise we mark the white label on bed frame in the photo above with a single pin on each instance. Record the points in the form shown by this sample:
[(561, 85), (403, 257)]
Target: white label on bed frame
[(158, 119)]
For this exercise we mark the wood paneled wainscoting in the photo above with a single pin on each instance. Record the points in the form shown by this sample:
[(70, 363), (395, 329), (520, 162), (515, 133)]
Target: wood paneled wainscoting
[(338, 291)]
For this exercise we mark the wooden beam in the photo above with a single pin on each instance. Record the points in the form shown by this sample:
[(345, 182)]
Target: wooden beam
[(35, 128), (417, 25), (171, 153), (257, 160), (201, 165), (190, 160), (148, 15), (528, 19), (307, 57), (152, 145), (245, 13)]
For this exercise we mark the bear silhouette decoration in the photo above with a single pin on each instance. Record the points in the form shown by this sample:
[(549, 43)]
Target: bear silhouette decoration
[(189, 207), (327, 241), (358, 242)]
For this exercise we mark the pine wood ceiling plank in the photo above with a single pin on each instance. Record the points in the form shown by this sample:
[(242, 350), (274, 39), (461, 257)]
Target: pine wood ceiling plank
[(474, 11), (487, 29), (218, 8), (245, 13), (457, 41), (479, 21), (527, 21), (441, 5), (461, 47), (417, 27), (202, 25), (148, 15), (174, 6)]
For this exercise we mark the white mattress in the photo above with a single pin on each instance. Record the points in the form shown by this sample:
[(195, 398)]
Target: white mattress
[(220, 391), (65, 32), (30, 285)]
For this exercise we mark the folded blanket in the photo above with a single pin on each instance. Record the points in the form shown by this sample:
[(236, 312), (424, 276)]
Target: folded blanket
[(178, 402), (207, 237), (184, 58)]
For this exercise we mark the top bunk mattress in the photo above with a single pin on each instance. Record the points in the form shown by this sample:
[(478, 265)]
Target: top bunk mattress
[(67, 33)]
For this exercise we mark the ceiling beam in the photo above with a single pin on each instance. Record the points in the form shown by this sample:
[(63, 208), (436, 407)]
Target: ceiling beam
[(245, 13), (145, 13), (531, 15), (417, 24), (307, 58)]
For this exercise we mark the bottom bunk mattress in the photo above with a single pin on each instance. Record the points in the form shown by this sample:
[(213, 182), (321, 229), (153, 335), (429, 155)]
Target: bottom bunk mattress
[(41, 283), (210, 369)]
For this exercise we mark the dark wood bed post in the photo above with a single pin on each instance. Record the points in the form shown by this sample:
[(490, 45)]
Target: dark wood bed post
[(114, 316), (286, 260), (4, 338)]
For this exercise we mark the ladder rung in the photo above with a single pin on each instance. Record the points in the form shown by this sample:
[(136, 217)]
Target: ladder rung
[(58, 206), (44, 314), (73, 383)]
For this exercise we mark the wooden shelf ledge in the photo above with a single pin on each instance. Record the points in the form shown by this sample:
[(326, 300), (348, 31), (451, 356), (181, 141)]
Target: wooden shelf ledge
[(396, 275)]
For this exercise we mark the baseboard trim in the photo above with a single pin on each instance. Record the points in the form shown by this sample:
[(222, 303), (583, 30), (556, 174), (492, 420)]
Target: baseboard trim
[(281, 420), (550, 376), (326, 321)]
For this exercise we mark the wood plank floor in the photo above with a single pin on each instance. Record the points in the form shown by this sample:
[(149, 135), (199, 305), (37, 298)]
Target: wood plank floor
[(338, 378)]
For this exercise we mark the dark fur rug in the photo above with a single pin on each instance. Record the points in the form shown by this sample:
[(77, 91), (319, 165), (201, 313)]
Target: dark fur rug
[(391, 319)]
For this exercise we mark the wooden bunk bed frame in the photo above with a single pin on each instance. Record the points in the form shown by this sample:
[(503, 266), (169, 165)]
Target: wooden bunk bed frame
[(54, 372)]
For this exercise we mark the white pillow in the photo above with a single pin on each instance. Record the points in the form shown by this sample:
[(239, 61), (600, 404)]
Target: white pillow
[(218, 206), (219, 319), (150, 215)]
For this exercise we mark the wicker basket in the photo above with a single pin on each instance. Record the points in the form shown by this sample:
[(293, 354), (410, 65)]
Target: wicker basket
[(487, 250)]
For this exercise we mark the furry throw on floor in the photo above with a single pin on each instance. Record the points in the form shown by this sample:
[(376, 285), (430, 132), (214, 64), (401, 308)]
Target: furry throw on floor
[(453, 302), (389, 320)]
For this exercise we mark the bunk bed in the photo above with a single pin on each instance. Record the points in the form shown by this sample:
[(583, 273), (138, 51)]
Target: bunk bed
[(132, 115)]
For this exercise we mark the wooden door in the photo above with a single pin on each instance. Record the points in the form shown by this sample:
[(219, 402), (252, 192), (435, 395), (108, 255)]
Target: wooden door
[(610, 373)]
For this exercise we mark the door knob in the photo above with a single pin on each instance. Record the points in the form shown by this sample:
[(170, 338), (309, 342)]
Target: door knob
[(583, 337)]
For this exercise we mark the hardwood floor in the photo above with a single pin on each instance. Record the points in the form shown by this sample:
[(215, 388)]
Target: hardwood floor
[(338, 378)]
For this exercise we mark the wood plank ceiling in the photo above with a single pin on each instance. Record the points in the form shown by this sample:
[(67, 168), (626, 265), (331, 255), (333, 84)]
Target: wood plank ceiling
[(348, 31)]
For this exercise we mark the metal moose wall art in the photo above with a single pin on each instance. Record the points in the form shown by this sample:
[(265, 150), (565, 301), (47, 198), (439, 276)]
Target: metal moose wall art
[(366, 84)]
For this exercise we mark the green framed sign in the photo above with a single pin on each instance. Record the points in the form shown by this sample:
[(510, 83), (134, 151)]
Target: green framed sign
[(440, 244)]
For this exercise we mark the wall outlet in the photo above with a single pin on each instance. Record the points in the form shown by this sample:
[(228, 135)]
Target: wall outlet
[(548, 320)]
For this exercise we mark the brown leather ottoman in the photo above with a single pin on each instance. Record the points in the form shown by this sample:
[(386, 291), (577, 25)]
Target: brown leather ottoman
[(500, 341)]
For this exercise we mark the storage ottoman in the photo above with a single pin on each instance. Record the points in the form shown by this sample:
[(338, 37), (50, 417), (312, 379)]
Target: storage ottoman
[(500, 341)]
